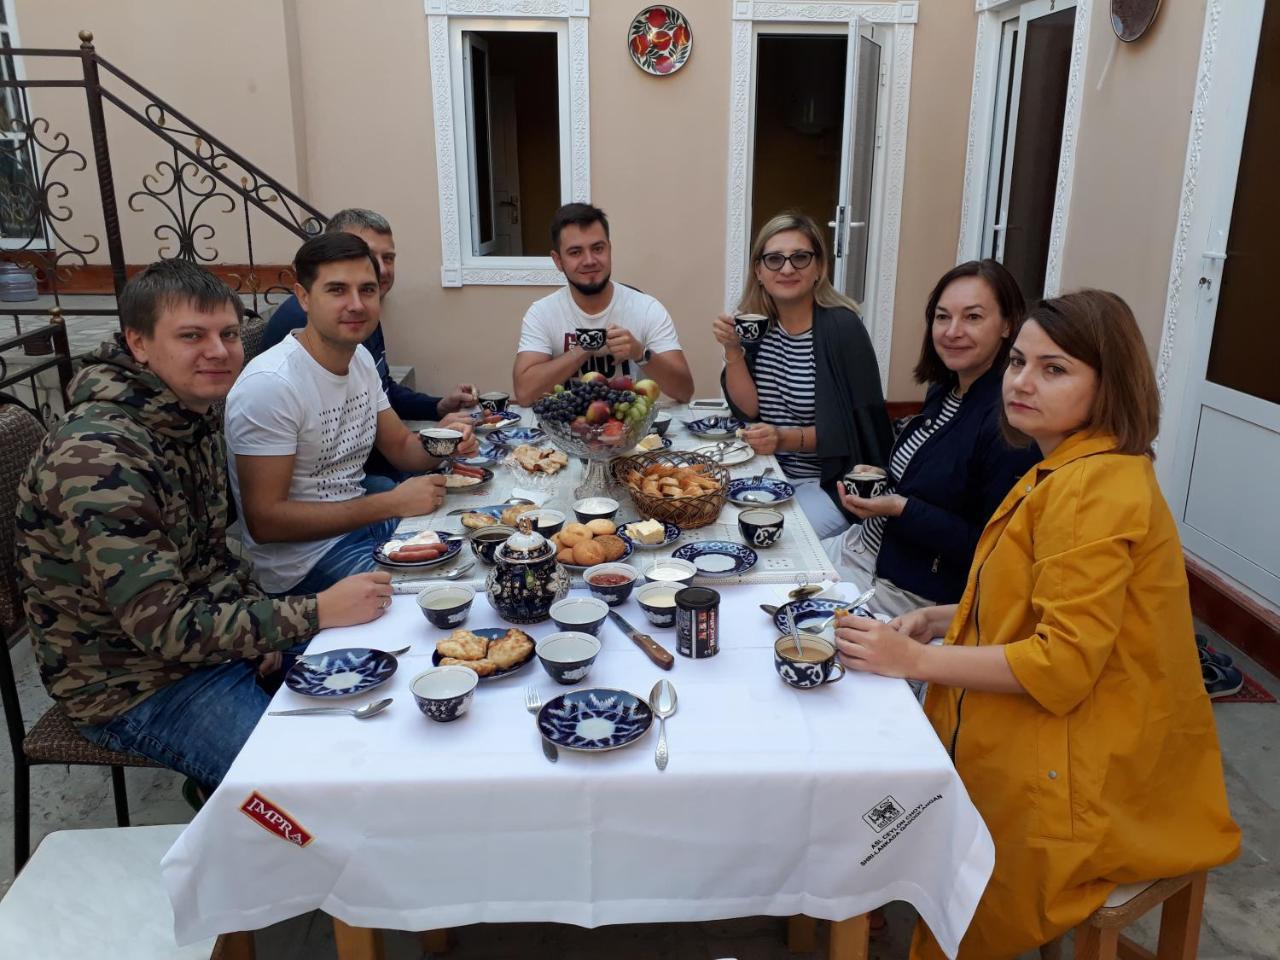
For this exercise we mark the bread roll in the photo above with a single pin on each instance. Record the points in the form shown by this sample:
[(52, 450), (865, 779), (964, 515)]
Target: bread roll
[(613, 546), (588, 553), (602, 527), (574, 534)]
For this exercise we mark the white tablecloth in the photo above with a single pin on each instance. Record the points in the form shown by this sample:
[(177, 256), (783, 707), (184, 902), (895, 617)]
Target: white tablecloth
[(798, 556), (766, 807)]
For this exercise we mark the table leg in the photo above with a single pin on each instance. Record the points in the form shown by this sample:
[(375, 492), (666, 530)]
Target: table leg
[(234, 946), (357, 943), (802, 934), (436, 941), (850, 939)]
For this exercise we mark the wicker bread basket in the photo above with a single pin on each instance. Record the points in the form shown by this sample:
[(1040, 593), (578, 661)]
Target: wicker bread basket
[(685, 512)]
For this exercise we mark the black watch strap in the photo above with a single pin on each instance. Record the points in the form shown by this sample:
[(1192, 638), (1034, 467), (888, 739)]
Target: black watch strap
[(647, 356)]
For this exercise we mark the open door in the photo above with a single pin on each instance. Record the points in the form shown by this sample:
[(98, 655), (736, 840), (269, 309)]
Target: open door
[(475, 69), (857, 164)]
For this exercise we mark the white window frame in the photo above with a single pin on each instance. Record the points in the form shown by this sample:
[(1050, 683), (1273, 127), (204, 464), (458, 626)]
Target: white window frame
[(447, 20), (985, 111), (751, 17)]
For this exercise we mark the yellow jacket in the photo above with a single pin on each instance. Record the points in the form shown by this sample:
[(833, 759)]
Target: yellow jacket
[(1107, 770)]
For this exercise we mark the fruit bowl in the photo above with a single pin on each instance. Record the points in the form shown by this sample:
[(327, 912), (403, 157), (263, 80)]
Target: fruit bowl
[(598, 420)]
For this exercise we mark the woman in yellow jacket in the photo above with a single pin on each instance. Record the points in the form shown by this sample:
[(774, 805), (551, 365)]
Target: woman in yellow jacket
[(1068, 689)]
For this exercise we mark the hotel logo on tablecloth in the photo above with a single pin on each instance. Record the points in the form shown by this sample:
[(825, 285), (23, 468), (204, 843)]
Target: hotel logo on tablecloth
[(271, 818), (882, 814)]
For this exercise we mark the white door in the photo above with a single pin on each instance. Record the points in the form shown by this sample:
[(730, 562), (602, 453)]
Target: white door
[(506, 169), (851, 226), (1227, 451), (476, 88)]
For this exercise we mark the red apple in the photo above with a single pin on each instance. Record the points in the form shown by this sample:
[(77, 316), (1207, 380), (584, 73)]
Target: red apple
[(621, 382), (580, 427), (613, 431), (591, 376), (599, 411), (649, 389)]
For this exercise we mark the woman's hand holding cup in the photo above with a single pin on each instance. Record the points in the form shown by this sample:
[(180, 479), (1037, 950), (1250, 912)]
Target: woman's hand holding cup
[(726, 336), (762, 437)]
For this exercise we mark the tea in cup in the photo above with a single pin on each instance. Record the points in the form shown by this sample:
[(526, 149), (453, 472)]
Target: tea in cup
[(494, 401), (750, 327), (760, 527), (440, 441), (812, 665), (866, 482), (591, 339)]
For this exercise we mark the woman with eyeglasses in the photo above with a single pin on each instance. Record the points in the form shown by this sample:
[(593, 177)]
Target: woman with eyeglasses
[(810, 387), (950, 465), (1068, 690)]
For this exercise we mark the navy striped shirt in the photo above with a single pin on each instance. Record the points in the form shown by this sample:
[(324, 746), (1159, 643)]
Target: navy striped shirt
[(785, 389)]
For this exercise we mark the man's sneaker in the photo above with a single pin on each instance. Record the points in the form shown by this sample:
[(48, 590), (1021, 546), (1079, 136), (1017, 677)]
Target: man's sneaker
[(195, 794), (1210, 655), (1220, 681)]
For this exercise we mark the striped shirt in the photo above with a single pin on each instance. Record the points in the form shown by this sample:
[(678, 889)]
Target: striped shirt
[(785, 389), (873, 527)]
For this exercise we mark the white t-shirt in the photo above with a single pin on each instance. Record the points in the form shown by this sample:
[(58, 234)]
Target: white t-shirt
[(550, 325), (286, 403)]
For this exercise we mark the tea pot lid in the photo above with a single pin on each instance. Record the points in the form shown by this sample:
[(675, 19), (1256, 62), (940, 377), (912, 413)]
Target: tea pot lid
[(526, 544)]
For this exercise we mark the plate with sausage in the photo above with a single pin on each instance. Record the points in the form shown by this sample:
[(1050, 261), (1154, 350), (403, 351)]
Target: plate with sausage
[(424, 549), (466, 477)]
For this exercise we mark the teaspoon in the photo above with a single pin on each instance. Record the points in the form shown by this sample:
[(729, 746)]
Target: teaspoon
[(360, 713)]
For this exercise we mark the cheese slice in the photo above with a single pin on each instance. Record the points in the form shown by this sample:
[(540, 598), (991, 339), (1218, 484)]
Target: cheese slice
[(646, 531), (651, 442)]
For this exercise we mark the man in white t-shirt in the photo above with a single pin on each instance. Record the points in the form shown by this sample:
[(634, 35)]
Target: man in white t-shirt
[(301, 421), (640, 339)]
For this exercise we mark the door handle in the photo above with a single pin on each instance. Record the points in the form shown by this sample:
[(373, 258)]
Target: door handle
[(1214, 254)]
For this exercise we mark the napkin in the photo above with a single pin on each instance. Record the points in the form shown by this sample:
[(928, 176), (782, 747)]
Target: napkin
[(540, 497)]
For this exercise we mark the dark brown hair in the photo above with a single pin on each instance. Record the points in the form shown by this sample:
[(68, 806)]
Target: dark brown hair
[(1098, 329), (930, 368), (330, 248), (168, 284), (580, 215)]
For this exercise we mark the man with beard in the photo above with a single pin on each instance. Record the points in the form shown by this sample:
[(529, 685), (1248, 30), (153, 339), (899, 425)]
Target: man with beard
[(640, 339)]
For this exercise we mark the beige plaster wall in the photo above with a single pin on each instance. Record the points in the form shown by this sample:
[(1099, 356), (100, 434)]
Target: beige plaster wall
[(225, 68), (1134, 123)]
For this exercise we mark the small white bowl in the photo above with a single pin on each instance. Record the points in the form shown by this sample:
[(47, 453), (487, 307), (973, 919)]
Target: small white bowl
[(444, 693), (579, 614), (567, 657), (594, 508), (670, 570)]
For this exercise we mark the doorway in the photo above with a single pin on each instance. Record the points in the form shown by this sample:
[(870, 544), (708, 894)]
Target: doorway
[(1228, 448), (815, 140)]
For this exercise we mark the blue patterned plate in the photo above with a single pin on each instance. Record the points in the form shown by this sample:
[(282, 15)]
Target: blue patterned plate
[(718, 558), (810, 613), (714, 428), (381, 553), (750, 492), (508, 436), (509, 419), (630, 549), (491, 634), (670, 534), (594, 720), (664, 445), (340, 673)]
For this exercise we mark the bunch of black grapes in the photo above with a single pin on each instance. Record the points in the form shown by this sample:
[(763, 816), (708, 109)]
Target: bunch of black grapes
[(568, 402)]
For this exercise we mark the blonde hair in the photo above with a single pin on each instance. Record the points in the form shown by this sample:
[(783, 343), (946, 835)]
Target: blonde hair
[(754, 297)]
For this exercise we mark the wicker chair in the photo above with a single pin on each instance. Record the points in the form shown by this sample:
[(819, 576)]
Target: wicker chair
[(251, 332), (54, 738)]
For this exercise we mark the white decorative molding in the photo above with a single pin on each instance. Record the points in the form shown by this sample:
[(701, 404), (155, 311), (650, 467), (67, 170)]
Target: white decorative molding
[(1067, 156), (978, 147), (453, 271), (800, 11), (901, 17)]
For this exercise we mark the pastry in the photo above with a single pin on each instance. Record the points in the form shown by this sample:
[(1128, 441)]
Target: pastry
[(474, 521), (613, 546), (588, 553), (574, 534), (510, 650), (565, 555), (482, 667), (512, 513), (462, 644), (601, 526)]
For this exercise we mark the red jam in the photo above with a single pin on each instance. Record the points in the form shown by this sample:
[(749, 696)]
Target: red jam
[(610, 579)]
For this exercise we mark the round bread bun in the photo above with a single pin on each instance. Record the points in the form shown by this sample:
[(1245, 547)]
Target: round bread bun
[(565, 555), (574, 534), (474, 521), (613, 546), (601, 527), (588, 553)]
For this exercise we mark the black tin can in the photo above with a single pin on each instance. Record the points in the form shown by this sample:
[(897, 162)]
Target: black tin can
[(697, 622)]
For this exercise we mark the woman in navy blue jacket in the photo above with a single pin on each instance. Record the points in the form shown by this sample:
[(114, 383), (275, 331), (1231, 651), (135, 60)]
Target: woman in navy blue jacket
[(950, 466)]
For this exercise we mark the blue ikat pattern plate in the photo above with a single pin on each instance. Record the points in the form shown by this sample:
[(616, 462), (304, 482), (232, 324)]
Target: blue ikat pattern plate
[(594, 720), (340, 673), (718, 558), (714, 428)]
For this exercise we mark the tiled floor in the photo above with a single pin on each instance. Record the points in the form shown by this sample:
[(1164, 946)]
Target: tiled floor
[(1242, 913)]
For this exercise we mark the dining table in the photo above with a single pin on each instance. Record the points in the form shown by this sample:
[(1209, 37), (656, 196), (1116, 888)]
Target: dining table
[(805, 803)]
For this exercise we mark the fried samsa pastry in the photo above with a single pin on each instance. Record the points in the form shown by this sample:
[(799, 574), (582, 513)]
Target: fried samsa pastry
[(482, 667), (512, 649), (462, 645)]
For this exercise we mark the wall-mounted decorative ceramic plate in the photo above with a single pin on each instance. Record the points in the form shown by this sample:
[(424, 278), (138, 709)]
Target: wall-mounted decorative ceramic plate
[(659, 40)]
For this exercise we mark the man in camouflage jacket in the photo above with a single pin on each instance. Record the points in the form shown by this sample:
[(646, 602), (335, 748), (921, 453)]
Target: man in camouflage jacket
[(148, 630)]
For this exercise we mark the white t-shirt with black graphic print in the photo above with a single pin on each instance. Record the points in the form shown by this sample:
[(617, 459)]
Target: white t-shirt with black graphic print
[(550, 327), (286, 403)]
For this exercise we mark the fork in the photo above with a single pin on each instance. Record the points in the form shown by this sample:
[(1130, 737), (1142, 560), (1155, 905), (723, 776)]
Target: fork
[(533, 703)]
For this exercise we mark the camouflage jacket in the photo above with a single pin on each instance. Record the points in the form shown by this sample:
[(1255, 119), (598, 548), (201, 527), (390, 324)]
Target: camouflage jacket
[(122, 552)]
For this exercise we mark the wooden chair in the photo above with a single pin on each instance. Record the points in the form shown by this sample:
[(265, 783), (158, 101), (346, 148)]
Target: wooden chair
[(1181, 902), (54, 738)]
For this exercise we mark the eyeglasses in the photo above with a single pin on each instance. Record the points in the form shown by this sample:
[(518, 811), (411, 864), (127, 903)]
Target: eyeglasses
[(798, 260)]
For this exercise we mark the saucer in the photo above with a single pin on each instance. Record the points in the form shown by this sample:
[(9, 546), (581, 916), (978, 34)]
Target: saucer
[(750, 492), (714, 428), (340, 673), (594, 720), (717, 558), (451, 548)]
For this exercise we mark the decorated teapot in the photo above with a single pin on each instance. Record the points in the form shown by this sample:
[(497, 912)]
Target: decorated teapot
[(526, 579)]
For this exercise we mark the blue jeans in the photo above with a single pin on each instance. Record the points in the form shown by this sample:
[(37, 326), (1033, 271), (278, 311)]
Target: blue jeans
[(195, 725), (353, 553)]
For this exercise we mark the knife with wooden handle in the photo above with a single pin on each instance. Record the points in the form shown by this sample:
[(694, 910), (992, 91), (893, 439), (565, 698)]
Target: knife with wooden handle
[(655, 651)]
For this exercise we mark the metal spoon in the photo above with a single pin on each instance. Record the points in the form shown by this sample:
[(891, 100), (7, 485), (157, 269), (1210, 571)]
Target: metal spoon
[(865, 598), (662, 700), (791, 628), (360, 713)]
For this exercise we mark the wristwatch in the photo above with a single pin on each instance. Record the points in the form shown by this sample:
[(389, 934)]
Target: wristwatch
[(646, 356)]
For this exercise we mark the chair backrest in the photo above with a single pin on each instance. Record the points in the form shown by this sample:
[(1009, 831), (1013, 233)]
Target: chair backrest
[(20, 436), (251, 332)]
